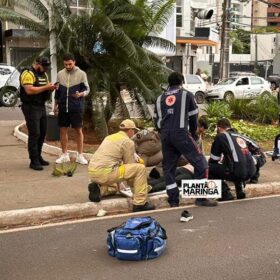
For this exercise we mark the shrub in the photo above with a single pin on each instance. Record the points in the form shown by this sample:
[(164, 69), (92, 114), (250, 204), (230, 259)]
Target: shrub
[(217, 109), (240, 108), (265, 109), (258, 132)]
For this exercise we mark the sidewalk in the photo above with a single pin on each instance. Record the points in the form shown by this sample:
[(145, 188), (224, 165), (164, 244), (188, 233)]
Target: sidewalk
[(30, 197)]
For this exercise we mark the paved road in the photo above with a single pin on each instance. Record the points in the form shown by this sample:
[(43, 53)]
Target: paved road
[(11, 113), (235, 241)]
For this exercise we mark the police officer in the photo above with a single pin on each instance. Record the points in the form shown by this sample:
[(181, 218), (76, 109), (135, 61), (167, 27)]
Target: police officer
[(115, 161), (176, 116), (35, 90), (230, 159)]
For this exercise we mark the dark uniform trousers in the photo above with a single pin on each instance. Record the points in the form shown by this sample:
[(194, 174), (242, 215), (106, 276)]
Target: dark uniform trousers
[(182, 173), (36, 122), (174, 144)]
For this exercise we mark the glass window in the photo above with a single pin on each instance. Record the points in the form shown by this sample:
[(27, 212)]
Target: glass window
[(209, 50), (5, 71), (179, 14), (243, 82), (191, 79), (227, 81), (256, 81)]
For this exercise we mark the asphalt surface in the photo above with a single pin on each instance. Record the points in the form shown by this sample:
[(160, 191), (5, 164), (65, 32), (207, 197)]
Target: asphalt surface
[(238, 240), (11, 113)]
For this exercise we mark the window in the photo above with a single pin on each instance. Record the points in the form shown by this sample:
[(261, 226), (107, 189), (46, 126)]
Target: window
[(191, 79), (243, 82), (5, 71), (209, 50), (179, 15), (256, 81)]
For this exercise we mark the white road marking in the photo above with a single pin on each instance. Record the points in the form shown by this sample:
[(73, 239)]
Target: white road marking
[(122, 215)]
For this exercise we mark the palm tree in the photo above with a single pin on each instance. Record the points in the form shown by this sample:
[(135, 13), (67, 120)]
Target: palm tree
[(124, 28)]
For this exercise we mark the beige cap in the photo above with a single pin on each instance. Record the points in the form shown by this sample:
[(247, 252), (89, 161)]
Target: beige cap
[(128, 124)]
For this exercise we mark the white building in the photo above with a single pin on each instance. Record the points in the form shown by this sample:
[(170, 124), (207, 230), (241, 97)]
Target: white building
[(195, 51)]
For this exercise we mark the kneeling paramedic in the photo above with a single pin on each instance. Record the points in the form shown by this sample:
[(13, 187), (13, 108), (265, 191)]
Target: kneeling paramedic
[(176, 115), (230, 160), (114, 162)]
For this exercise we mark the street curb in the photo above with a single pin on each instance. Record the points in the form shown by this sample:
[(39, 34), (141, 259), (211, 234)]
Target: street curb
[(49, 149), (43, 215)]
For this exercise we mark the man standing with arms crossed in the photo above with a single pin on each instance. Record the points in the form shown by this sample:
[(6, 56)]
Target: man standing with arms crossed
[(69, 104), (176, 116), (35, 90)]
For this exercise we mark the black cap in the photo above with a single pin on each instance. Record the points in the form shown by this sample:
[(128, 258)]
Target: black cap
[(43, 60)]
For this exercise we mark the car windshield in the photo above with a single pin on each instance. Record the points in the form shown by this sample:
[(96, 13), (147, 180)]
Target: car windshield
[(227, 81)]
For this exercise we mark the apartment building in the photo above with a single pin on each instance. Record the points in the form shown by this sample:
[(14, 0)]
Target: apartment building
[(273, 13), (259, 14)]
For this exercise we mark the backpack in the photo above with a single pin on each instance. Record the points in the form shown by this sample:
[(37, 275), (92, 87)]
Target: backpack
[(139, 238), (255, 150)]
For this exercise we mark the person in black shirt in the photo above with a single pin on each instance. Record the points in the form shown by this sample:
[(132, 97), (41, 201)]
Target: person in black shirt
[(35, 90), (176, 118), (230, 160)]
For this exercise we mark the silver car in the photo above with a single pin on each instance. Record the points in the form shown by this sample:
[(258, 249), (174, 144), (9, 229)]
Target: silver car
[(9, 85), (243, 87), (196, 85)]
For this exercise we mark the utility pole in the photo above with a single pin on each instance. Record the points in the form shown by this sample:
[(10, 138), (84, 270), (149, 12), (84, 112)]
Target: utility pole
[(224, 51), (256, 68)]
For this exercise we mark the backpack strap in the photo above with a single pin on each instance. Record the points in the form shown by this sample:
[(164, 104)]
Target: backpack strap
[(232, 147)]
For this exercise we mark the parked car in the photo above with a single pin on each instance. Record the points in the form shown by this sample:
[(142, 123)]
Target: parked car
[(196, 85), (9, 85), (242, 87)]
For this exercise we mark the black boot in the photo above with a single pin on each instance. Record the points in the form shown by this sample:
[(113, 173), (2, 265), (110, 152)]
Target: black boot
[(173, 197), (239, 188), (36, 165), (205, 202), (94, 192), (43, 162), (255, 178), (226, 194), (145, 207)]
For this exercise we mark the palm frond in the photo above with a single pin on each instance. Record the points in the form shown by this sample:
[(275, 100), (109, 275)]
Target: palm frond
[(18, 19), (35, 8), (157, 42)]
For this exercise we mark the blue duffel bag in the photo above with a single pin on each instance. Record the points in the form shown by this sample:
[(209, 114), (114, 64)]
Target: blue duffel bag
[(139, 238)]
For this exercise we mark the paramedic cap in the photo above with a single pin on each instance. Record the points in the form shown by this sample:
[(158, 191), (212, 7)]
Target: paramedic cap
[(44, 61), (128, 124)]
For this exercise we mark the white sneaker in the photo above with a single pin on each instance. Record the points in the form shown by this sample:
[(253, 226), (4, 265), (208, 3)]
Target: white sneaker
[(63, 158), (81, 160)]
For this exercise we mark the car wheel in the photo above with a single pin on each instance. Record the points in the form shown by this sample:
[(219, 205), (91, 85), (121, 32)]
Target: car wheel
[(228, 96), (199, 97), (8, 97)]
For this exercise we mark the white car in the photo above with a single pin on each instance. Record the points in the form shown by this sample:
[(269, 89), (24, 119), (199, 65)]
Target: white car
[(243, 87), (9, 85), (196, 85)]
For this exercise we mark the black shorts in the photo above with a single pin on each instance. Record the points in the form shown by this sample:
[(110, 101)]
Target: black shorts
[(73, 119)]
